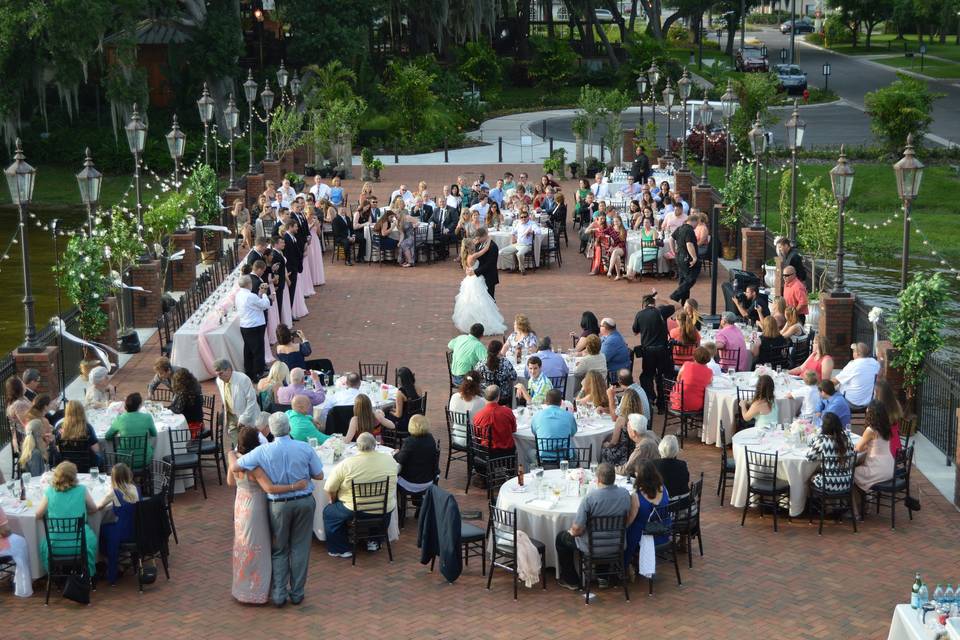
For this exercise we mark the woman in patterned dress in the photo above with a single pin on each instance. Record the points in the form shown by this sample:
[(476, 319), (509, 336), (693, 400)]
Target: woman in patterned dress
[(251, 525), (833, 440)]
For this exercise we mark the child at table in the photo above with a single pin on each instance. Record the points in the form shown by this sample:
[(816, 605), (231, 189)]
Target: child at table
[(810, 393)]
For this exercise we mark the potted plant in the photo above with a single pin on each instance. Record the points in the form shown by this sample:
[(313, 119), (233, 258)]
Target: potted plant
[(917, 329), (555, 163), (204, 203), (84, 281), (737, 194), (286, 127), (295, 181), (121, 247)]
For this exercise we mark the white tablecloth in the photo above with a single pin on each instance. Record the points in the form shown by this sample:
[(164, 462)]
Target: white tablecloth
[(164, 420), (792, 464), (371, 390), (23, 518), (504, 238), (720, 402), (906, 625), (591, 431), (322, 500), (541, 518)]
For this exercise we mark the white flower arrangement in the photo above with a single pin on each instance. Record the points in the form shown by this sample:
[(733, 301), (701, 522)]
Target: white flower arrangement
[(875, 314)]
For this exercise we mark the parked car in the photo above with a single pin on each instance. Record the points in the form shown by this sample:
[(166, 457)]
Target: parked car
[(803, 25), (752, 59), (792, 78)]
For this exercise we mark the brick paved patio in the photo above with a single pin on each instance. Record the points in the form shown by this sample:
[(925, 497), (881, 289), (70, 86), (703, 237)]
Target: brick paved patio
[(751, 583)]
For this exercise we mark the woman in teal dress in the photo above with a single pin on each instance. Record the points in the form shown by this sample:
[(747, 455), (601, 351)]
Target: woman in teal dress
[(763, 407), (64, 498)]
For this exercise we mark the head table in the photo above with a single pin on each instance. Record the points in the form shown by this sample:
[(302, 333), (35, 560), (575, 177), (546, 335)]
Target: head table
[(22, 515), (720, 401), (592, 429), (321, 498), (546, 506)]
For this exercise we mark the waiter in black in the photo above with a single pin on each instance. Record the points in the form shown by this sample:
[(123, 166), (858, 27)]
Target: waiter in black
[(688, 265), (653, 350)]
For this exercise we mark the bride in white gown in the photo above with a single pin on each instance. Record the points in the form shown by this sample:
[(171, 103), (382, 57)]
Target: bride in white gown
[(473, 303)]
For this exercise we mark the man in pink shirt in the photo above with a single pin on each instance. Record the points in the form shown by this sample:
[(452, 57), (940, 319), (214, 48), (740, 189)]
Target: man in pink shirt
[(795, 292), (730, 337)]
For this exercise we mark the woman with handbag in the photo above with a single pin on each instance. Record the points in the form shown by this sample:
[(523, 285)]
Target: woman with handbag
[(651, 499)]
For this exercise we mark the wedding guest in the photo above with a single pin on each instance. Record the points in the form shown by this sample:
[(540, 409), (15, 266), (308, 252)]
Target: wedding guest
[(285, 462), (685, 333), (617, 249), (407, 391), (712, 363), (76, 434), (767, 349), (467, 352), (162, 375), (730, 338), (293, 347), (810, 394), (122, 503), (250, 307), (523, 337), (342, 397), (857, 378), (593, 392), (819, 361), (645, 443), (625, 382), (652, 494), (616, 449), (592, 361), (497, 370), (763, 407), (695, 376), (366, 419), (792, 327), (535, 391), (653, 350), (499, 420), (884, 394), (832, 402), (343, 235), (188, 400), (302, 425), (613, 346), (524, 231), (17, 407), (316, 395), (35, 450), (99, 392), (134, 423), (789, 255), (833, 440), (673, 470), (553, 422), (418, 458), (778, 310), (552, 364), (251, 522), (878, 463), (795, 292), (589, 326), (467, 399), (15, 546), (268, 386), (237, 397), (408, 240), (338, 197), (367, 466), (64, 498), (241, 221)]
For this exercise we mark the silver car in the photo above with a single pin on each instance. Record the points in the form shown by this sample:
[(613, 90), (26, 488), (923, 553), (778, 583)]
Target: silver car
[(792, 78)]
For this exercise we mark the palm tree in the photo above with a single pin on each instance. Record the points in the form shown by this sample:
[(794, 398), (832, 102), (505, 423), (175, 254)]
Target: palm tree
[(330, 82)]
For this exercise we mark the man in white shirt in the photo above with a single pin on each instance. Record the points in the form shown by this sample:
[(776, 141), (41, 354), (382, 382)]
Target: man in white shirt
[(678, 199), (599, 188), (404, 193), (482, 208), (288, 192), (319, 190), (630, 189), (342, 397), (856, 380), (250, 308), (523, 234)]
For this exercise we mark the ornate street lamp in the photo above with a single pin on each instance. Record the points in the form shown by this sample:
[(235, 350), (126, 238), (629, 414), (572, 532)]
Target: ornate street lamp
[(758, 145), (642, 83), (668, 96), (282, 77), (295, 85), (729, 104), (205, 106), (841, 180), (176, 143), (706, 117), (266, 99), (231, 116), (795, 129), (909, 172), (136, 140), (653, 73), (20, 181), (250, 93), (683, 88), (89, 180)]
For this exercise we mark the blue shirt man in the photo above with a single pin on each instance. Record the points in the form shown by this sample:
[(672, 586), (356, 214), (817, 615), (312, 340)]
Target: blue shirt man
[(832, 402), (613, 346), (285, 461), (553, 422), (496, 194), (554, 366)]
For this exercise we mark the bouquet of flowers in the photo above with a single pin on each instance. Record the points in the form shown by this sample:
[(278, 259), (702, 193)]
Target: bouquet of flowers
[(334, 445), (875, 314), (341, 382), (577, 475), (763, 370), (802, 430)]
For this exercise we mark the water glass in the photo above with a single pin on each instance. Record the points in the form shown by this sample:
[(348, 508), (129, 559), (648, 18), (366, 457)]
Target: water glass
[(593, 469), (26, 477), (731, 371), (779, 369), (10, 487), (313, 442), (94, 473), (564, 467)]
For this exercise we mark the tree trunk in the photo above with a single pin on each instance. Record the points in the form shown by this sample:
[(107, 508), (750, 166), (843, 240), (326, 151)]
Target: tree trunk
[(548, 17), (523, 38), (669, 22), (618, 18), (633, 17), (601, 31), (590, 20), (652, 9)]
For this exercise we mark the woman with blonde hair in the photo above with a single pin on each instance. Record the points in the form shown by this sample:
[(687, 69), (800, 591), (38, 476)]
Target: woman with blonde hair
[(76, 434), (338, 197), (419, 461), (315, 247), (366, 419), (522, 336), (366, 192), (17, 407), (592, 359), (408, 242), (122, 502), (241, 221), (686, 331), (35, 452), (616, 449), (265, 218), (819, 361), (64, 498), (592, 392), (276, 379), (767, 349), (792, 327)]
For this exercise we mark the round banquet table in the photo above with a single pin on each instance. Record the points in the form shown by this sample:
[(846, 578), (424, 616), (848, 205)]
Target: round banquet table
[(792, 464), (540, 517), (720, 402), (164, 420), (504, 237), (633, 245), (592, 430), (368, 230), (568, 358), (23, 518), (322, 500)]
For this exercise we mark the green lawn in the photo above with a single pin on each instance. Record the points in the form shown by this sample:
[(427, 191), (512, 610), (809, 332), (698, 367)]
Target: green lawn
[(887, 43), (874, 200), (932, 68)]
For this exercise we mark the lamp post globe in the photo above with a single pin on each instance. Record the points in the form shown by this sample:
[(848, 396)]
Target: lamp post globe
[(136, 139), (282, 77), (728, 105), (266, 99), (231, 116), (668, 98), (841, 181), (205, 106), (250, 93), (909, 173), (20, 181), (642, 84), (176, 143), (89, 180), (758, 145)]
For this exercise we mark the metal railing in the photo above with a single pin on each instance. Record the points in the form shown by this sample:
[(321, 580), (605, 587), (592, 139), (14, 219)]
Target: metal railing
[(937, 402)]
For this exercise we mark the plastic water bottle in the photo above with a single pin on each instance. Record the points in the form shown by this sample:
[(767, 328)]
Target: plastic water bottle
[(938, 595), (949, 595), (924, 594)]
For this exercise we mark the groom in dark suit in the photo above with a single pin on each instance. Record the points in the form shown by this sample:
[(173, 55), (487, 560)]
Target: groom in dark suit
[(487, 263)]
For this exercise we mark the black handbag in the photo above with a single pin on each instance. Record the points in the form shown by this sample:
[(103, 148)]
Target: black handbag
[(656, 527), (77, 588)]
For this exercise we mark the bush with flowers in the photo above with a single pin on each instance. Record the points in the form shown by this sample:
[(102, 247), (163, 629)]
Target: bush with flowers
[(84, 281)]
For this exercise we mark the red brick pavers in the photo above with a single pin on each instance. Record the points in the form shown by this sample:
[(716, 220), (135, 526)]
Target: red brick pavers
[(751, 583)]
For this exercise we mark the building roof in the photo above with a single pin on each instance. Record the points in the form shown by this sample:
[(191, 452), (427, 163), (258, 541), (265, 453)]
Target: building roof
[(155, 31)]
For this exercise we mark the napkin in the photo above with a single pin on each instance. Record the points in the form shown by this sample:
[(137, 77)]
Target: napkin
[(541, 503)]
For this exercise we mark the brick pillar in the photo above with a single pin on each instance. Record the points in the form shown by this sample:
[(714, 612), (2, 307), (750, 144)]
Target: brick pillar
[(109, 335), (254, 188), (629, 146), (836, 324), (752, 249), (46, 362), (185, 270), (703, 198), (146, 306), (884, 355), (272, 170), (683, 184), (300, 156)]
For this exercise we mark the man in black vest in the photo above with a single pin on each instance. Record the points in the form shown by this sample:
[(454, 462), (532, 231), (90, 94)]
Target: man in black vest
[(278, 269), (652, 329)]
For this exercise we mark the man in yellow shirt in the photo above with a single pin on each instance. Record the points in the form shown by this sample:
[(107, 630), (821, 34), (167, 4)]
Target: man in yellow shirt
[(369, 465)]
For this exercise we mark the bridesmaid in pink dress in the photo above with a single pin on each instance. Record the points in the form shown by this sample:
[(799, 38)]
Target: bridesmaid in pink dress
[(315, 249), (298, 306), (306, 277), (273, 318)]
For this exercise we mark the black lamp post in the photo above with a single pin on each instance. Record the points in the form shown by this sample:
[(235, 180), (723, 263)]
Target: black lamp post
[(827, 71), (205, 106), (683, 88), (282, 77), (250, 93), (795, 129), (668, 96), (89, 180), (841, 180), (56, 257), (231, 116), (295, 85), (176, 142), (136, 140), (758, 145), (706, 117), (20, 181), (909, 172), (653, 73), (266, 99), (642, 83), (728, 104)]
